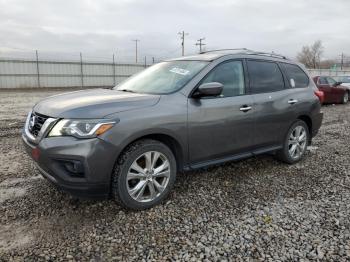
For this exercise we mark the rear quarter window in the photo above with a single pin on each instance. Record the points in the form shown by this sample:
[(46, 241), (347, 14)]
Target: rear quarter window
[(296, 76)]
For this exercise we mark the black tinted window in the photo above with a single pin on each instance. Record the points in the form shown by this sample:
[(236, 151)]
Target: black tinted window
[(265, 77), (296, 77), (231, 75)]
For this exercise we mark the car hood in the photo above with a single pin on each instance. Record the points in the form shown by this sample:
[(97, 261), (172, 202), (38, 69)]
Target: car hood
[(346, 85), (94, 103)]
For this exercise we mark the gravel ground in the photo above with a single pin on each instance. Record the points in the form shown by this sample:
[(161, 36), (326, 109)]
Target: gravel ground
[(256, 209)]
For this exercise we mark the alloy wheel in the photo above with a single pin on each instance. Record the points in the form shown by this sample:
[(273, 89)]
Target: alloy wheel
[(346, 98), (297, 142), (148, 176)]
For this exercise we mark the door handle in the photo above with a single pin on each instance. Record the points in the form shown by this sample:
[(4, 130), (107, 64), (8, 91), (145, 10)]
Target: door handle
[(245, 108), (292, 101)]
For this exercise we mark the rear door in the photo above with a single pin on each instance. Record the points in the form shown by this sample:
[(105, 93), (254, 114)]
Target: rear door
[(221, 126), (273, 103)]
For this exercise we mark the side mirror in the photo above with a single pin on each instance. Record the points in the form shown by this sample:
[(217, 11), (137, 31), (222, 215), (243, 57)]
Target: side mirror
[(337, 83), (208, 89)]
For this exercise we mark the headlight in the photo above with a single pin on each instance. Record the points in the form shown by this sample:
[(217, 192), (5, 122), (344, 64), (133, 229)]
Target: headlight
[(81, 128)]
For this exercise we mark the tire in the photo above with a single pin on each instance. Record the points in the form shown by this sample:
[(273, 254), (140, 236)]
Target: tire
[(345, 98), (134, 184), (286, 153)]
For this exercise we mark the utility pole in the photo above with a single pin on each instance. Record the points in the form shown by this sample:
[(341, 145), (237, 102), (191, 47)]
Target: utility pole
[(37, 67), (342, 61), (199, 42), (183, 41), (81, 70), (136, 41), (113, 70)]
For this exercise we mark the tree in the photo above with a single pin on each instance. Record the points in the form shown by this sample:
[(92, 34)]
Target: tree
[(310, 56)]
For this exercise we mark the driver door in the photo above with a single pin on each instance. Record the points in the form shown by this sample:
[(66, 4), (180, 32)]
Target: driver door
[(336, 93), (221, 126)]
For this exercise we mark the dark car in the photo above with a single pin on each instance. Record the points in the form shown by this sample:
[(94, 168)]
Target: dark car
[(129, 142), (334, 92)]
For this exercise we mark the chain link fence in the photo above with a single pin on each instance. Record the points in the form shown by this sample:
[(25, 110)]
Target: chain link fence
[(40, 73), (20, 73), (329, 72)]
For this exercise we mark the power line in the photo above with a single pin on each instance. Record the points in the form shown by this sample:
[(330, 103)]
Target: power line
[(200, 43), (136, 41), (183, 34)]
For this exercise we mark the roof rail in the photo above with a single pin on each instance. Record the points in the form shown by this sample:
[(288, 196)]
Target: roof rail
[(248, 52), (227, 49), (270, 54)]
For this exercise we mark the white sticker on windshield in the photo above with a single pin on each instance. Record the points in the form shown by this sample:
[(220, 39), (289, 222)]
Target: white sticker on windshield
[(292, 82), (179, 71)]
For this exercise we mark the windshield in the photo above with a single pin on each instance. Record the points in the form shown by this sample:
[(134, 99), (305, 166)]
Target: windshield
[(344, 79), (163, 78), (331, 81)]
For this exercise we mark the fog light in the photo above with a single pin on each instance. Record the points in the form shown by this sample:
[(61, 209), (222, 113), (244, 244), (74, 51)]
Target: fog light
[(75, 167)]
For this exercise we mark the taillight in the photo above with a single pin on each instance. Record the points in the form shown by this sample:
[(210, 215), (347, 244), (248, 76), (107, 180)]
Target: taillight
[(320, 95)]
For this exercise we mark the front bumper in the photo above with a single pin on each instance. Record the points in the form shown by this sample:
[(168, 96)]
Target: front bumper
[(95, 156)]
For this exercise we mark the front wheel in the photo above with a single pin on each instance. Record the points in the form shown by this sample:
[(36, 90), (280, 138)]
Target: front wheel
[(295, 143), (144, 175), (345, 98)]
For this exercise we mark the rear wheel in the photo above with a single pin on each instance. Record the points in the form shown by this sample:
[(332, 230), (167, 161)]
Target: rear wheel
[(295, 143), (345, 98), (144, 175)]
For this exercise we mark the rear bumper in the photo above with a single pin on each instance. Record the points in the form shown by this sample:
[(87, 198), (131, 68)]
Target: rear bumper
[(96, 159), (316, 123)]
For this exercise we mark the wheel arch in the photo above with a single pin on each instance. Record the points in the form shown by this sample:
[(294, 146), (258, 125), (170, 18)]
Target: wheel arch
[(169, 140), (308, 121)]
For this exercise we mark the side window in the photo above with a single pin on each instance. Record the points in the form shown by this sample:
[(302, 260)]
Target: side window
[(231, 75), (322, 81), (296, 76), (265, 77), (331, 81)]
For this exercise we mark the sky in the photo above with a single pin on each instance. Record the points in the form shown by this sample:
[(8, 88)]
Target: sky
[(99, 28)]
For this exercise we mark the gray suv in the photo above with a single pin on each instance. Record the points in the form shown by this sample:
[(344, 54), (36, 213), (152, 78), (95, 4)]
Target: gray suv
[(129, 142)]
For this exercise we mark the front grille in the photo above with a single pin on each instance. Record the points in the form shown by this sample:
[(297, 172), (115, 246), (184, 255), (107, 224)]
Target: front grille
[(36, 122)]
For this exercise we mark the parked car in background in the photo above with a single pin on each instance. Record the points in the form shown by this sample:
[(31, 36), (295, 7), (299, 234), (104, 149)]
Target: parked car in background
[(334, 92), (182, 114), (345, 80)]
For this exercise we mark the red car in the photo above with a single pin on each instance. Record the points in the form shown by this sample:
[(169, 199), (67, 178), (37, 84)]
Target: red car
[(333, 91)]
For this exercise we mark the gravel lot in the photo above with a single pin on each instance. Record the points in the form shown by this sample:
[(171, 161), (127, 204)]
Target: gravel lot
[(253, 209)]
